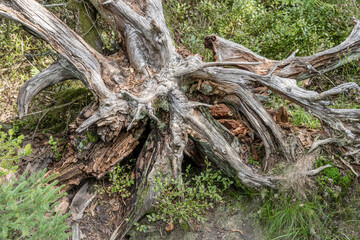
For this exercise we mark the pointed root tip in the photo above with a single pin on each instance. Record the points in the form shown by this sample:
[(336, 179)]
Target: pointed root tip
[(355, 20), (107, 2)]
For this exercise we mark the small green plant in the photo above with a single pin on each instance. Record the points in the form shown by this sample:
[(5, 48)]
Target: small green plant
[(311, 3), (121, 180), (299, 117), (27, 209), (252, 161), (86, 142), (141, 227), (286, 218), (188, 198), (11, 151), (91, 137), (55, 147), (331, 180)]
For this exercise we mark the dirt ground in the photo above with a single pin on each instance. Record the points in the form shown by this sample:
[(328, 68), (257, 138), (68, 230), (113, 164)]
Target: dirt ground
[(231, 221)]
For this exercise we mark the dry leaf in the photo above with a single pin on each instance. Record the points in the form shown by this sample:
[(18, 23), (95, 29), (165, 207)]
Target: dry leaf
[(169, 227)]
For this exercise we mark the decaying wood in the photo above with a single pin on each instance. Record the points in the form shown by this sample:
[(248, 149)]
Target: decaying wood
[(55, 73), (78, 205), (97, 160), (298, 68), (142, 91)]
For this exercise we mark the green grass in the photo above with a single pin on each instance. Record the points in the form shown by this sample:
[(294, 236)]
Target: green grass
[(22, 56), (270, 28), (329, 211), (299, 117), (286, 218), (273, 29)]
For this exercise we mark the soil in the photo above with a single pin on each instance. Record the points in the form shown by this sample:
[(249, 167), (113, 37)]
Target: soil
[(231, 220)]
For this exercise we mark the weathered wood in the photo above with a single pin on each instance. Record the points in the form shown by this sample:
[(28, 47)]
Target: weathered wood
[(57, 72), (97, 160), (298, 68), (156, 160), (144, 86), (142, 25), (341, 121)]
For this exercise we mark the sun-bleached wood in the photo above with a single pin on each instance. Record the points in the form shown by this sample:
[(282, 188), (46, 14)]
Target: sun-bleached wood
[(141, 98)]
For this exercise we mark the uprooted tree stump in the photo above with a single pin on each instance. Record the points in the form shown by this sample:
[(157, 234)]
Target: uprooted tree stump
[(142, 92)]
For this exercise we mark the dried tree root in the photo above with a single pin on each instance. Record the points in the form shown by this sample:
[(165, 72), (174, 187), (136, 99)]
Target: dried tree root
[(144, 86)]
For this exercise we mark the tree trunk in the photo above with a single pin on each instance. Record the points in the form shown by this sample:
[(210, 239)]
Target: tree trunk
[(142, 97)]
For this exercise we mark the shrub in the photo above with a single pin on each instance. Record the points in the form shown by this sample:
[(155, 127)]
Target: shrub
[(331, 180), (274, 29), (10, 151), (188, 198), (27, 209), (121, 180), (299, 117)]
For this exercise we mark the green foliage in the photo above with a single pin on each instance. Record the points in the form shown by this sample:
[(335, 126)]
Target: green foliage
[(291, 220), (21, 57), (27, 209), (252, 161), (312, 3), (11, 151), (331, 180), (67, 100), (91, 138), (286, 218), (141, 227), (86, 141), (55, 147), (270, 28), (121, 180), (299, 117), (188, 197)]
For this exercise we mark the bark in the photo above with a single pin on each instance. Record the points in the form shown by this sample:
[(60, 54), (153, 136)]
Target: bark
[(57, 72), (141, 93), (298, 68)]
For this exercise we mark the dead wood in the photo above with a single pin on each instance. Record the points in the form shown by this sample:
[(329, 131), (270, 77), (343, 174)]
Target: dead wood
[(142, 93)]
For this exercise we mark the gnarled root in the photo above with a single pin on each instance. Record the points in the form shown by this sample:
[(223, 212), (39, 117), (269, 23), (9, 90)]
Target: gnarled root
[(155, 161)]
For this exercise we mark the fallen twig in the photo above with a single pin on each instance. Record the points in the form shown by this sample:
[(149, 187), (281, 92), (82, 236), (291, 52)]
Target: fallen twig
[(349, 166)]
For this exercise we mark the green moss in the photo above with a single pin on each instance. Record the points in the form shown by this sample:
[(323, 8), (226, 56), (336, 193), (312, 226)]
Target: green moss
[(87, 19), (68, 100), (331, 180), (332, 173)]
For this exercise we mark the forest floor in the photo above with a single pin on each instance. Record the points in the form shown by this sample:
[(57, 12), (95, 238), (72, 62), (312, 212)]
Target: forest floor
[(332, 207)]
